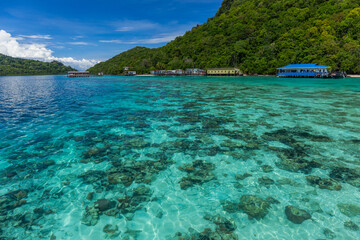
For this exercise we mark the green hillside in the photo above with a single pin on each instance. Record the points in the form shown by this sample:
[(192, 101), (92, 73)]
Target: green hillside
[(18, 66), (258, 36)]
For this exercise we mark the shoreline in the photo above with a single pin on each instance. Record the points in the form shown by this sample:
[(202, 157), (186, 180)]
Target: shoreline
[(150, 75), (244, 75)]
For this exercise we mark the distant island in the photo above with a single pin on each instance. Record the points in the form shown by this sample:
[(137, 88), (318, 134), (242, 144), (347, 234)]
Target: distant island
[(257, 37), (18, 66)]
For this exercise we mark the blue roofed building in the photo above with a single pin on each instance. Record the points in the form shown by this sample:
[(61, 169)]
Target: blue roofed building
[(308, 70)]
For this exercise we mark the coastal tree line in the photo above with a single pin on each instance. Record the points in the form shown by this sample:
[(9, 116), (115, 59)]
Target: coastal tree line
[(258, 36), (19, 66)]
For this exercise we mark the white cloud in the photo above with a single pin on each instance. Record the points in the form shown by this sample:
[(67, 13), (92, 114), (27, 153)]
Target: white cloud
[(82, 64), (152, 32), (112, 41), (163, 38), (47, 37), (79, 43), (77, 37), (11, 47), (58, 46), (133, 25)]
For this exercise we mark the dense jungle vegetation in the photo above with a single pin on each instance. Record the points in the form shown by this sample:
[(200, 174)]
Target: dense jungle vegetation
[(19, 66), (258, 36)]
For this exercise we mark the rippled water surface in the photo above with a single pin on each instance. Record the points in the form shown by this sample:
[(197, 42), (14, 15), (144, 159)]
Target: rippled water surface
[(179, 158)]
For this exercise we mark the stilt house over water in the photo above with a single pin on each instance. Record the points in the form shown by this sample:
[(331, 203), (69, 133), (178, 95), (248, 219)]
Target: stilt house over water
[(78, 74), (195, 72), (309, 70), (223, 72)]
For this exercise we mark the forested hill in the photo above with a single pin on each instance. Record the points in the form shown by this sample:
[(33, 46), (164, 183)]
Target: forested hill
[(258, 36), (19, 66)]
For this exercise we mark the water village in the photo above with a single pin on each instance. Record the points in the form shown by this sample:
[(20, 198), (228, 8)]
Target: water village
[(309, 70), (198, 72)]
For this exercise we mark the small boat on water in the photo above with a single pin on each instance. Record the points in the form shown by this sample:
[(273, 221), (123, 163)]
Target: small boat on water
[(308, 70), (338, 75)]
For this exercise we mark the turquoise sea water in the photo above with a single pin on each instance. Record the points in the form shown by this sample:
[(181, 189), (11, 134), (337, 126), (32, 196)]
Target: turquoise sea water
[(179, 158)]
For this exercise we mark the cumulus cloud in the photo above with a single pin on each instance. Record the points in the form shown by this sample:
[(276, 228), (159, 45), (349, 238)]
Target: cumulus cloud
[(82, 64), (11, 47)]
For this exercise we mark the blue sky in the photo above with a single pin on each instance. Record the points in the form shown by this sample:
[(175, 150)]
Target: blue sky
[(79, 32)]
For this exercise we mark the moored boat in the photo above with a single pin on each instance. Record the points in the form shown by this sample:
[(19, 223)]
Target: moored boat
[(338, 75)]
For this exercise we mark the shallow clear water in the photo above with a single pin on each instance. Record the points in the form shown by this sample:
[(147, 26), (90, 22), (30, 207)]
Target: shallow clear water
[(137, 142)]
